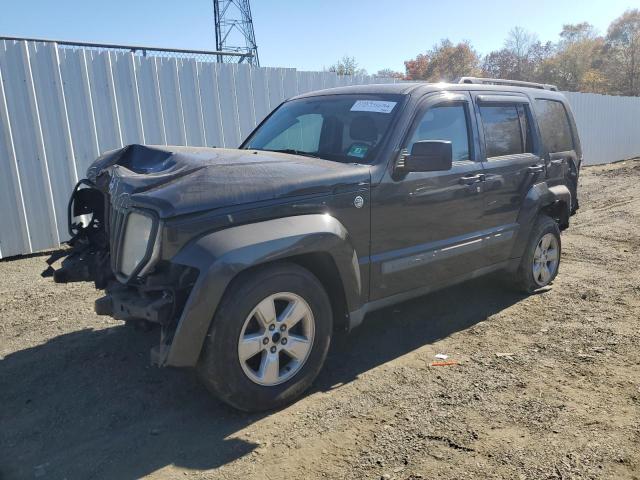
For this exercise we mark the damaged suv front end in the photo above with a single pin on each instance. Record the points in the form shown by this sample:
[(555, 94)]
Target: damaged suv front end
[(117, 241), (164, 230)]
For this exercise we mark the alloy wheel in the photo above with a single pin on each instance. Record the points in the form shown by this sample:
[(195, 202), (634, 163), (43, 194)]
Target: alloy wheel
[(276, 339), (546, 259)]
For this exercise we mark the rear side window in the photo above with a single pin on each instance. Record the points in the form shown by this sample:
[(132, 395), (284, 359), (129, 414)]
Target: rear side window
[(554, 125), (506, 129)]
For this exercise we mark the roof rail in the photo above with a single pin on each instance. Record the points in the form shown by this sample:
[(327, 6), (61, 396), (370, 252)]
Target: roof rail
[(501, 81)]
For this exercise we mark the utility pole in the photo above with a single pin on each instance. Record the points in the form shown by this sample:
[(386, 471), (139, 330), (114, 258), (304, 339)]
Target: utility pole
[(234, 31)]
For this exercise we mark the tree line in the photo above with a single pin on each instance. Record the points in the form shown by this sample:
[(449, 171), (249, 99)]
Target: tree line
[(582, 60)]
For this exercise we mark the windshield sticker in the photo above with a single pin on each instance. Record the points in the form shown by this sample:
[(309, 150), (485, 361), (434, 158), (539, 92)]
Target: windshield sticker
[(378, 106), (358, 150)]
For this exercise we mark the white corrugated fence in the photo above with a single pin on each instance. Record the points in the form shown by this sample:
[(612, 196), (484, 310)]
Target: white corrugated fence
[(60, 107)]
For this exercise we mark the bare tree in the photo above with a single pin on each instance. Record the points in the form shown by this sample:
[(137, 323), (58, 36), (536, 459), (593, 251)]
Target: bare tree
[(347, 66), (520, 43), (389, 73)]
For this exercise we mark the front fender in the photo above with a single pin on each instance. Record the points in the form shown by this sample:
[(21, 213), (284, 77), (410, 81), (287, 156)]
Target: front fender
[(539, 197), (221, 255)]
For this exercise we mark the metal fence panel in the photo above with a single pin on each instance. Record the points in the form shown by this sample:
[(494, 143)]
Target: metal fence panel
[(14, 234), (608, 126), (54, 125), (274, 85), (148, 89), (170, 99), (228, 104), (260, 93), (191, 104), (127, 98), (103, 95), (77, 92), (246, 111), (61, 107), (211, 118), (28, 144)]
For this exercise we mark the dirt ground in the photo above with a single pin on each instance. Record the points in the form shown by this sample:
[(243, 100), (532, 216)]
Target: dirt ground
[(547, 386)]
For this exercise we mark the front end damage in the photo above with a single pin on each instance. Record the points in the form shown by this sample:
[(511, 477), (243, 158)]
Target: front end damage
[(116, 245)]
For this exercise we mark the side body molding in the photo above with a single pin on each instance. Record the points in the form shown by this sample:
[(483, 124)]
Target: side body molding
[(538, 197), (220, 256)]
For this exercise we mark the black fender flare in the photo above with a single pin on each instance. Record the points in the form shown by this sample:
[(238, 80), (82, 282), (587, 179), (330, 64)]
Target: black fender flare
[(539, 197), (220, 256)]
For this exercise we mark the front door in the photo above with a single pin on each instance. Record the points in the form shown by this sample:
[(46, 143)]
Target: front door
[(425, 226)]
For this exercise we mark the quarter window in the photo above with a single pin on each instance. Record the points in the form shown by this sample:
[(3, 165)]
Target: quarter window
[(446, 122), (554, 125), (506, 130)]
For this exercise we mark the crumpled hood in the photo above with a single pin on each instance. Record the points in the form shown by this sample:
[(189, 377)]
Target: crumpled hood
[(180, 180)]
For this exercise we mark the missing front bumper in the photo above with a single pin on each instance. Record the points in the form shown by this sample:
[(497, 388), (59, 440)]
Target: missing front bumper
[(128, 304)]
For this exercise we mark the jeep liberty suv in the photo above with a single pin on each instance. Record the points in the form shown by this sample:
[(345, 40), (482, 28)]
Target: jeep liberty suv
[(340, 202)]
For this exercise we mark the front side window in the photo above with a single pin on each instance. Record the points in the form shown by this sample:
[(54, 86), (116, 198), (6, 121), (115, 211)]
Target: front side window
[(446, 122), (343, 128), (506, 130), (554, 125)]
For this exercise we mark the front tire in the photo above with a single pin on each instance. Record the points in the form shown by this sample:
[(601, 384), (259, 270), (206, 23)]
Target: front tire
[(541, 260), (269, 338)]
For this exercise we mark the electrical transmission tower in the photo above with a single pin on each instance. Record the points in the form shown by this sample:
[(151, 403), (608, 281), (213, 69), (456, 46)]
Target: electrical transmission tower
[(234, 31)]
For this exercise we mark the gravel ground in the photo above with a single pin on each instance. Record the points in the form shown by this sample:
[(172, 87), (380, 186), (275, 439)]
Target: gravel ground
[(547, 386)]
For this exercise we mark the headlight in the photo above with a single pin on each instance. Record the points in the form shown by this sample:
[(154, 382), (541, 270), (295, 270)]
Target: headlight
[(137, 235)]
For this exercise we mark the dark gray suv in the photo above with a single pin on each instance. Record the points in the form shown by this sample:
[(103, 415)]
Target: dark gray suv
[(340, 202)]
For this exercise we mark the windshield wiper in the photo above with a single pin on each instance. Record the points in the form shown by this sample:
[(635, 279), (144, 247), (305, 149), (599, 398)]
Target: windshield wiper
[(291, 151)]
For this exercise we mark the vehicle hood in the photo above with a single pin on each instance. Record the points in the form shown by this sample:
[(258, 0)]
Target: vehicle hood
[(181, 180)]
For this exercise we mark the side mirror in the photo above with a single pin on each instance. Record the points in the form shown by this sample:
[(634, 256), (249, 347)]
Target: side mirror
[(429, 156)]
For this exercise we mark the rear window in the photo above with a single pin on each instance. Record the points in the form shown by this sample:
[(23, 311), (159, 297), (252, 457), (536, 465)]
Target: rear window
[(506, 130), (554, 125)]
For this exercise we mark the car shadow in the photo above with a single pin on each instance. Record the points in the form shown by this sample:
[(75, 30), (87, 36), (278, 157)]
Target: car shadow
[(88, 405)]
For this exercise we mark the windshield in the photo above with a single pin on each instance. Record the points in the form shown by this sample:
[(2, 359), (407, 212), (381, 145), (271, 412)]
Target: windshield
[(342, 128)]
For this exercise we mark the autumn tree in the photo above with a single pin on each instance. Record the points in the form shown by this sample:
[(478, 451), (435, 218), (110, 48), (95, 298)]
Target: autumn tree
[(578, 59), (581, 60), (622, 50), (444, 62)]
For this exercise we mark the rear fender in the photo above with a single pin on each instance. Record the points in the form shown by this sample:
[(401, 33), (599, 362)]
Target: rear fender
[(221, 256), (555, 201)]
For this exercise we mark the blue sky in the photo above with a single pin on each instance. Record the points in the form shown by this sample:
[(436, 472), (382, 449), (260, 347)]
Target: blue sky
[(307, 34)]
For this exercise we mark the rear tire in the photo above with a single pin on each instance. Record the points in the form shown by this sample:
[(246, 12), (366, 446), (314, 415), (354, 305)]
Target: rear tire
[(256, 356), (541, 259)]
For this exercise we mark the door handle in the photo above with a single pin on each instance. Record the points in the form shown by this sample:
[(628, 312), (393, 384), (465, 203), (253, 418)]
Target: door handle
[(558, 161), (536, 169), (471, 179)]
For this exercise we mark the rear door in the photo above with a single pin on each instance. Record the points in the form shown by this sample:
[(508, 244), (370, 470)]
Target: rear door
[(558, 144), (511, 161)]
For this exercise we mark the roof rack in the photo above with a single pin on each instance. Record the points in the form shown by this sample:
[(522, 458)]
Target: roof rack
[(501, 81)]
